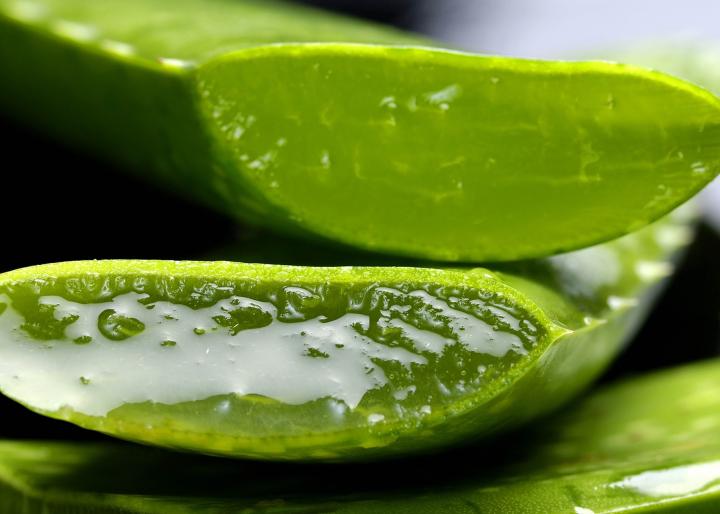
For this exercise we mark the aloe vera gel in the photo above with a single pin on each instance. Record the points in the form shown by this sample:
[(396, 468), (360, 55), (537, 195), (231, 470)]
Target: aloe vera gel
[(329, 363), (313, 359)]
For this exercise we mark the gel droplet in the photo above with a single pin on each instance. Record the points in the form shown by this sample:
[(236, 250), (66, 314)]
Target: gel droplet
[(117, 327), (375, 418)]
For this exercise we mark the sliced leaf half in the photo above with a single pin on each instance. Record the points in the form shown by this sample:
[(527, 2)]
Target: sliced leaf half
[(283, 362)]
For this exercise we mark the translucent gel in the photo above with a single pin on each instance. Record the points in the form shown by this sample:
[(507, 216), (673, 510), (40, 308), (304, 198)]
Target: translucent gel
[(132, 349)]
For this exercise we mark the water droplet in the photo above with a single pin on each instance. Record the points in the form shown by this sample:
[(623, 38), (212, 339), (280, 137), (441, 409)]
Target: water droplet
[(117, 47), (389, 102), (583, 510), (444, 97), (75, 31), (315, 353), (117, 327), (337, 408), (678, 481), (169, 62), (402, 394), (325, 160), (426, 409), (495, 80), (263, 162), (443, 389), (223, 407), (698, 167), (618, 302), (375, 418), (243, 314)]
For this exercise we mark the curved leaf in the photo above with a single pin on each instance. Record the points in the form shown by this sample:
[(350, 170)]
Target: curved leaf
[(336, 129), (285, 362)]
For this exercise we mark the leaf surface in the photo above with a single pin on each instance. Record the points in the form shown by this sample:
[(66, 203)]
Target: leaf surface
[(337, 129), (334, 363)]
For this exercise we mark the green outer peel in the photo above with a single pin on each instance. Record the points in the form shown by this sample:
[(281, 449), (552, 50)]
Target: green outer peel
[(322, 126), (128, 347), (646, 445), (696, 61)]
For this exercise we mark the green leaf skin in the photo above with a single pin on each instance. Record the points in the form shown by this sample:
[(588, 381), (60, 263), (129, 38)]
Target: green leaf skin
[(284, 362), (332, 128), (645, 445)]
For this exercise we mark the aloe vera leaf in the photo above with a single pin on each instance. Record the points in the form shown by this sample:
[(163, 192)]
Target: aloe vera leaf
[(284, 362), (645, 445), (256, 109)]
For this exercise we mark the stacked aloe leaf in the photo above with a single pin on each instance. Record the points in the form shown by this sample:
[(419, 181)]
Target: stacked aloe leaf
[(466, 242)]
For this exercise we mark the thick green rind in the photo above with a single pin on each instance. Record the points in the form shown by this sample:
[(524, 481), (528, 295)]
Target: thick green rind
[(467, 211), (615, 451), (584, 305), (388, 148)]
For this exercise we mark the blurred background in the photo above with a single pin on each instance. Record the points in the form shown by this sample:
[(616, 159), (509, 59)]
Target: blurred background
[(84, 209)]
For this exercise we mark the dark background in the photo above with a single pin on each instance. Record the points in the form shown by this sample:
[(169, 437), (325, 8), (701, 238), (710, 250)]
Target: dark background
[(61, 205)]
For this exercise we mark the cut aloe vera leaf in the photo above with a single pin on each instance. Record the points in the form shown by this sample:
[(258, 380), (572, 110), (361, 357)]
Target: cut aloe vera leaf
[(283, 362), (257, 109), (646, 445)]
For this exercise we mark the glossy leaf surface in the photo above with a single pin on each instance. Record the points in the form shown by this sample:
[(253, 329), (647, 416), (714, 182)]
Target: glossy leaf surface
[(337, 129), (283, 362)]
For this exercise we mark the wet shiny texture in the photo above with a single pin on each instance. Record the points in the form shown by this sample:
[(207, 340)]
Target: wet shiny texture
[(286, 362), (294, 346), (258, 358)]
